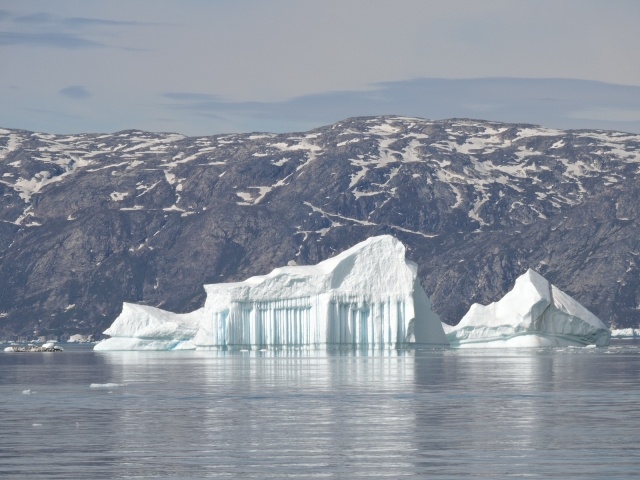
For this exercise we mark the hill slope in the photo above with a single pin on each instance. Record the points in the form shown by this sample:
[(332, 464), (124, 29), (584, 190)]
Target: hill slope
[(91, 220)]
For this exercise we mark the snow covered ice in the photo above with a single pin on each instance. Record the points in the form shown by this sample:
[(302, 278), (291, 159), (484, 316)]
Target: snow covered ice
[(625, 333), (534, 314), (368, 295), (140, 327)]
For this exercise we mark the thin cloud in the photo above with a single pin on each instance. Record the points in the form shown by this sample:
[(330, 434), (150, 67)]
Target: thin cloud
[(35, 18), (81, 22), (55, 39), (607, 114), (192, 97), (561, 103), (43, 29), (75, 92), (42, 18)]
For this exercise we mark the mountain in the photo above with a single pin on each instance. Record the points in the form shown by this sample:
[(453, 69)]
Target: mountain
[(91, 220)]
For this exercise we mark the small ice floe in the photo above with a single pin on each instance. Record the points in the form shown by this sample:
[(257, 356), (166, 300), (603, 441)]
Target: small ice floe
[(36, 424), (47, 347), (107, 385), (26, 392)]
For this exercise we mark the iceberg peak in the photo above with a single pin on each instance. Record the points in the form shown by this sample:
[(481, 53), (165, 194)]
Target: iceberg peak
[(534, 313)]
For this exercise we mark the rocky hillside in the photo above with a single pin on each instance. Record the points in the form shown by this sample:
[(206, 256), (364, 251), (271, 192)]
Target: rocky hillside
[(91, 220)]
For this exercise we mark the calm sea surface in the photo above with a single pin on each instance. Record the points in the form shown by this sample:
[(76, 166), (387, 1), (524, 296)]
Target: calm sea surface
[(446, 414)]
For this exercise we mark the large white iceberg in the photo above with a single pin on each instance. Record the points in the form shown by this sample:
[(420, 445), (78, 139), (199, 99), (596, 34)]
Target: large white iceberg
[(534, 314), (368, 296)]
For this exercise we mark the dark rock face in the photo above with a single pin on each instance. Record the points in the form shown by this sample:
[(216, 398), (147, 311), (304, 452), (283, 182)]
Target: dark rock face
[(89, 221)]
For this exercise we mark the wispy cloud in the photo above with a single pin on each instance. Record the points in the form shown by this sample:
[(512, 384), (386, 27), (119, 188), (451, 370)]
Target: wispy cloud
[(558, 103), (81, 22), (34, 18), (51, 39), (43, 18), (43, 29), (193, 98), (75, 92)]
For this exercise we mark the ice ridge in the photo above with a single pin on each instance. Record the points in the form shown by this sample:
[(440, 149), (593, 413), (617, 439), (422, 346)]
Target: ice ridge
[(534, 313)]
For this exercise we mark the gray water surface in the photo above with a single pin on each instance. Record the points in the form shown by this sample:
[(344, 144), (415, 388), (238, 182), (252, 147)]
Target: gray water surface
[(536, 413)]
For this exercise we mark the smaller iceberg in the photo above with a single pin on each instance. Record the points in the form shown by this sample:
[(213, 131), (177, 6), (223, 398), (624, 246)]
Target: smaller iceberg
[(534, 314), (140, 327), (626, 333)]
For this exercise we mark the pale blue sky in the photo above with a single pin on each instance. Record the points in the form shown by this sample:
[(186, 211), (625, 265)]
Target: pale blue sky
[(203, 67)]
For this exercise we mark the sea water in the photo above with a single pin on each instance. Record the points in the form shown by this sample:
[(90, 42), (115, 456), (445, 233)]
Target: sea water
[(432, 413)]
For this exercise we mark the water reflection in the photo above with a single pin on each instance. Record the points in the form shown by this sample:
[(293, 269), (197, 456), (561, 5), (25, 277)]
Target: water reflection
[(495, 400), (46, 407), (301, 413), (505, 412), (316, 410)]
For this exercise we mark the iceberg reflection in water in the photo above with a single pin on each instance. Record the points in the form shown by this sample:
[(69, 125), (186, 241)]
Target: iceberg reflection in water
[(345, 413)]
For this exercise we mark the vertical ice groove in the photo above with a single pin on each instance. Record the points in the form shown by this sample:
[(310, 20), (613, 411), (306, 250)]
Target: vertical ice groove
[(352, 319)]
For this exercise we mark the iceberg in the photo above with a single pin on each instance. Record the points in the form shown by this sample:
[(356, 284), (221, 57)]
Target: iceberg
[(366, 296), (534, 313), (141, 327), (79, 338), (625, 333)]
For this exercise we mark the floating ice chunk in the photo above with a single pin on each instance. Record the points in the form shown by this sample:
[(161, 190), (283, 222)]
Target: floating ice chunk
[(107, 385), (533, 314), (140, 327), (625, 333), (79, 338), (368, 295)]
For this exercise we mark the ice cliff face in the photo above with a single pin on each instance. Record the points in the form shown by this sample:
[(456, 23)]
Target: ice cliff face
[(368, 295), (533, 314)]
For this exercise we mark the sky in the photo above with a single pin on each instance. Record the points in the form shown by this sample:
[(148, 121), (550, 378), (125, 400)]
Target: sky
[(204, 67)]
